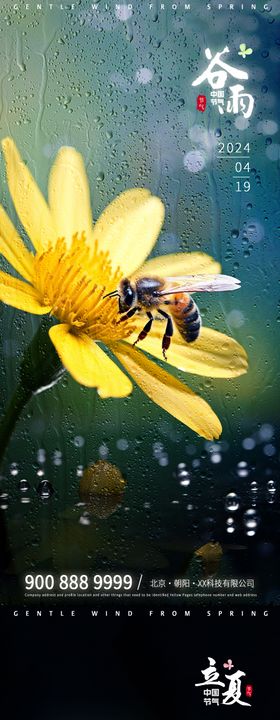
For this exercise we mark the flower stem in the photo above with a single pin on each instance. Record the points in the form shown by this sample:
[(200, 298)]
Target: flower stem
[(13, 411), (40, 369)]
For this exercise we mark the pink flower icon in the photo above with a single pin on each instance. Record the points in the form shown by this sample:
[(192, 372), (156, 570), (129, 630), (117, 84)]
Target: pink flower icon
[(228, 664)]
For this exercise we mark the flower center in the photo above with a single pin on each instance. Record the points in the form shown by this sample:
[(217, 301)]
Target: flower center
[(74, 280)]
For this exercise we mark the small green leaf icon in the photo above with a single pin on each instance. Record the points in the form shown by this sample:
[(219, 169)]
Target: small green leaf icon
[(244, 50)]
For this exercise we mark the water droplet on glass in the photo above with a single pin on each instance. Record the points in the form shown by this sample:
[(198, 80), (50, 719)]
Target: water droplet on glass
[(269, 450), (57, 458), (4, 500), (212, 447), (163, 460), (144, 75), (14, 469), (235, 318), (242, 469), (194, 161), (157, 449), (266, 432), (248, 443), (103, 451), (251, 519), (85, 519), (122, 444), (183, 475), (190, 449), (215, 458), (270, 497), (232, 502), (271, 486), (45, 489), (254, 486), (123, 12), (231, 528), (41, 455), (24, 485), (196, 463), (79, 441)]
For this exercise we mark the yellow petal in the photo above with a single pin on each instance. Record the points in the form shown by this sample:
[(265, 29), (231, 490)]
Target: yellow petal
[(21, 295), (193, 263), (69, 196), (88, 364), (29, 202), (168, 392), (129, 227), (213, 354), (14, 249)]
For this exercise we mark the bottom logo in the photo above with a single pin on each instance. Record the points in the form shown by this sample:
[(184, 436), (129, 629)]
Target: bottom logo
[(212, 692)]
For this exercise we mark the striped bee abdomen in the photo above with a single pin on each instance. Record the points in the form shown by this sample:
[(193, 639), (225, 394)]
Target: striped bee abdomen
[(186, 317)]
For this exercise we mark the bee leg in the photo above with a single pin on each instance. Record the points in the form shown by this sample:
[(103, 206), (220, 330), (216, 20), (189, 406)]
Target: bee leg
[(168, 333), (146, 329), (129, 314)]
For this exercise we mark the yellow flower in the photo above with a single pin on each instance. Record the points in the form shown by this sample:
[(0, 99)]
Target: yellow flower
[(75, 264)]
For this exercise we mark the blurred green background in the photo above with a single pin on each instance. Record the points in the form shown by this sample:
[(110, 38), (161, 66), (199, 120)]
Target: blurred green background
[(117, 86)]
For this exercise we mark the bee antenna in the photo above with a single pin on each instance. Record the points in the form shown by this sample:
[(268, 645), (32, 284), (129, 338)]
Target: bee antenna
[(114, 293)]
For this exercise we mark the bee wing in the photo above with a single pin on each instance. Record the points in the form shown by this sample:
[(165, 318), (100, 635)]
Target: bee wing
[(201, 283)]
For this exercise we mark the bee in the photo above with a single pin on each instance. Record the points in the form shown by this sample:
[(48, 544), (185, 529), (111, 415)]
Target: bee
[(149, 294)]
